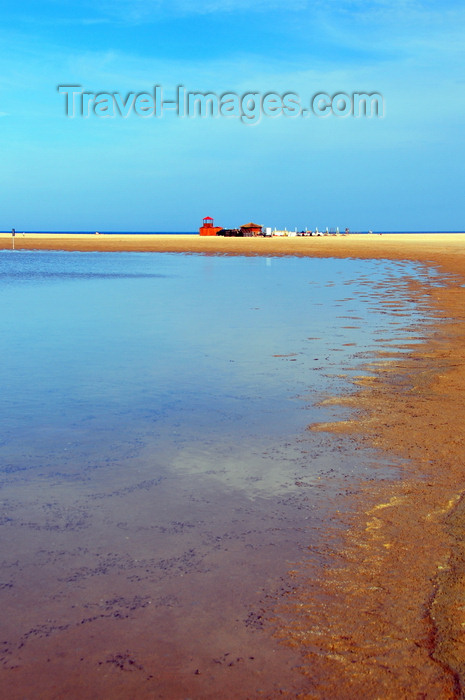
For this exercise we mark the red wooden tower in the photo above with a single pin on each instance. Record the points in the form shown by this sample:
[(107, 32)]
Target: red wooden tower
[(208, 228)]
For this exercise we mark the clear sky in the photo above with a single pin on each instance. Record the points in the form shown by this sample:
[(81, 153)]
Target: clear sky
[(404, 171)]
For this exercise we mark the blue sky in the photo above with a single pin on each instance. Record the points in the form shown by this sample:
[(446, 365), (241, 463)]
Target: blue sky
[(404, 171)]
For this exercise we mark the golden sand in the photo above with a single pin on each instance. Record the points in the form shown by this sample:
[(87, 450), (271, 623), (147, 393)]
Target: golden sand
[(422, 247), (387, 617)]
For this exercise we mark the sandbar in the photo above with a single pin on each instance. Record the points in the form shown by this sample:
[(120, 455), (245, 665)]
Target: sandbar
[(442, 248)]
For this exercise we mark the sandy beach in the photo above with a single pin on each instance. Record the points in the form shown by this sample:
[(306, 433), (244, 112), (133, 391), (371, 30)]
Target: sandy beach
[(441, 248), (386, 620)]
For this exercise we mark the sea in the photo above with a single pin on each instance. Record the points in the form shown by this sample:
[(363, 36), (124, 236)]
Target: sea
[(158, 478)]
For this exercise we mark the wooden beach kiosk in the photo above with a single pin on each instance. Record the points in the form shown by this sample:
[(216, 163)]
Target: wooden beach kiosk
[(251, 229)]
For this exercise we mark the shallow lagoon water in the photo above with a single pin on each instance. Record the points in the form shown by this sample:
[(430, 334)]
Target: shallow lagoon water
[(158, 481)]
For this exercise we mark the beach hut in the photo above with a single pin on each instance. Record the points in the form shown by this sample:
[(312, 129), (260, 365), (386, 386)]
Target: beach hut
[(251, 229)]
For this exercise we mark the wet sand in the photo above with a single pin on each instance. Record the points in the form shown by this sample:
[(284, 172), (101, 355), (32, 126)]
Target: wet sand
[(386, 618)]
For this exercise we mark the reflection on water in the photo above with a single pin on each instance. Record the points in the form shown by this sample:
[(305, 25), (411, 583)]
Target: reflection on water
[(157, 480)]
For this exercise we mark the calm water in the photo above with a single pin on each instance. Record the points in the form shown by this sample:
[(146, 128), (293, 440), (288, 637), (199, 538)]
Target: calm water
[(157, 478)]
